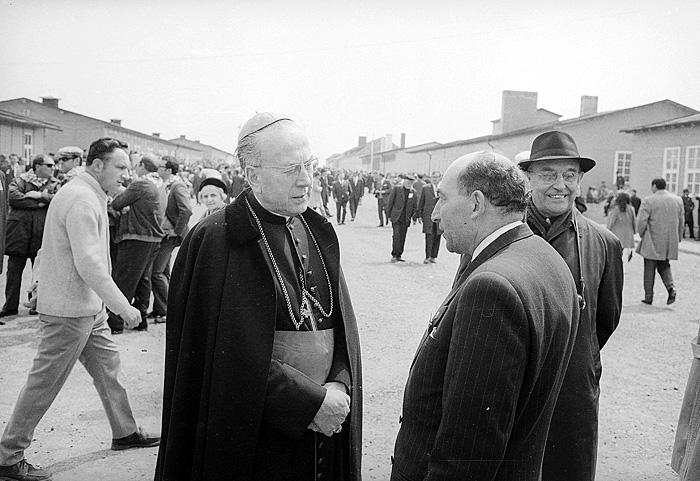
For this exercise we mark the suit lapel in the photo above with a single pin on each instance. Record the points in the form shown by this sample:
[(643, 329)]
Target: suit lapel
[(513, 235)]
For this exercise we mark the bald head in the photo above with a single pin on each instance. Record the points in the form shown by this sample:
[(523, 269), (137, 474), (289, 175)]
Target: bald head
[(479, 193), (497, 177)]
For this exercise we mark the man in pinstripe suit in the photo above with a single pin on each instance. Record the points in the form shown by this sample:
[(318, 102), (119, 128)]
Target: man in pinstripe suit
[(484, 381)]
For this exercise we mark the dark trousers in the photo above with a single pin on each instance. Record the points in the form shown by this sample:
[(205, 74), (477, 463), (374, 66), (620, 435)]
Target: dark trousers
[(160, 278), (338, 207), (382, 212), (398, 238), (354, 202), (432, 242), (324, 198), (13, 284), (650, 268), (690, 223), (132, 274)]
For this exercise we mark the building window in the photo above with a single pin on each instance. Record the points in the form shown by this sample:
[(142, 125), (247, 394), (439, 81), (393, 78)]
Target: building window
[(623, 164), (28, 145), (672, 160), (692, 169)]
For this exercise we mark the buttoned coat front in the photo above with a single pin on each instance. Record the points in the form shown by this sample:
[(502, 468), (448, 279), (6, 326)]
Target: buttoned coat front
[(484, 381), (660, 224)]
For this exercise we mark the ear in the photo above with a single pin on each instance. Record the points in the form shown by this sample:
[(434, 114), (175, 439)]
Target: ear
[(479, 204), (253, 175), (98, 165)]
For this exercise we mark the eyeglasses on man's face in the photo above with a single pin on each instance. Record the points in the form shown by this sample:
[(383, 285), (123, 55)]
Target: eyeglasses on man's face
[(551, 176), (295, 169)]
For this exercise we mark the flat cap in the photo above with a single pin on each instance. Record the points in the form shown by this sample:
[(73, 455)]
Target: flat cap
[(68, 152)]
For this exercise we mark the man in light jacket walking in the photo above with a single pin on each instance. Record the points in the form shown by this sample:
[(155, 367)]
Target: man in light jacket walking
[(660, 224)]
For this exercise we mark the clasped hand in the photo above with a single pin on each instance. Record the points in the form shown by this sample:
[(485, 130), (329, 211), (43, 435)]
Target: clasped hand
[(333, 411)]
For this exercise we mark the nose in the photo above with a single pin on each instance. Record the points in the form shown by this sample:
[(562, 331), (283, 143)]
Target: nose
[(559, 183), (304, 177), (435, 215)]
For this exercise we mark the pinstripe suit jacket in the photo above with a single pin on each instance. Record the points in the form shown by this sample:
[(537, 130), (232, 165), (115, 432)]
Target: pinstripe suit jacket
[(484, 381)]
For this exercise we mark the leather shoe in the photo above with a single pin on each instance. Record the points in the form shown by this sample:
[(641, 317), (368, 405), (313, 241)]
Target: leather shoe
[(33, 312), (23, 471), (143, 326), (671, 296), (432, 260), (8, 312), (427, 260), (645, 301), (139, 439)]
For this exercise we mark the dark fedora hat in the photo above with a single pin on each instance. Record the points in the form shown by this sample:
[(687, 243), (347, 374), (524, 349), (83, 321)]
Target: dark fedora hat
[(555, 145)]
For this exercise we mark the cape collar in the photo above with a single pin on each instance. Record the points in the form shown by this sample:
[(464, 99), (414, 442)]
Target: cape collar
[(241, 228)]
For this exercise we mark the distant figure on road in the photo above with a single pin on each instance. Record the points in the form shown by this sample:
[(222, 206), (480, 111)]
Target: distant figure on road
[(688, 207), (622, 221), (400, 207), (423, 214), (357, 190), (484, 381), (660, 225)]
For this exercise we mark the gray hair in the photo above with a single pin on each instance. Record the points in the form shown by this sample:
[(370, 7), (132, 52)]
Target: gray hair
[(248, 150), (500, 180)]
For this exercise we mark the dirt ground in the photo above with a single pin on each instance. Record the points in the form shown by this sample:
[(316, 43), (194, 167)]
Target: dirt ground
[(645, 366)]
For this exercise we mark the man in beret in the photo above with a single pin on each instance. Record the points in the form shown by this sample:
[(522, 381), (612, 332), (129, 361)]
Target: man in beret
[(262, 367), (594, 257)]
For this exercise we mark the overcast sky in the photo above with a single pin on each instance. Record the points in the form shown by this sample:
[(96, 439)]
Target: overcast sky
[(434, 69)]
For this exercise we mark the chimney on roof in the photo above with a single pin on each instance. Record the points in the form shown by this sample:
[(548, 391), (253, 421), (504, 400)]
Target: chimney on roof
[(182, 136), (403, 140), (362, 141), (156, 134), (116, 122), (518, 110), (50, 101), (589, 105)]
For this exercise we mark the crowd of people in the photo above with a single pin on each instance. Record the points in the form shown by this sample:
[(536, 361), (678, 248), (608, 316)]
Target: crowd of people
[(263, 371)]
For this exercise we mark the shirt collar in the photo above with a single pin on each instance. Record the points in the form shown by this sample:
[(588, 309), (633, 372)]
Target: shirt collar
[(493, 236)]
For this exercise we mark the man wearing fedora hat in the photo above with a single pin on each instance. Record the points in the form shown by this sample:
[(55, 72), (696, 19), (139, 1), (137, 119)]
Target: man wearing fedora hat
[(594, 257)]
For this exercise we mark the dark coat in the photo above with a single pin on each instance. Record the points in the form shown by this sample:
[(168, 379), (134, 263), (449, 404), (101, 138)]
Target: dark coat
[(426, 204), (177, 212), (25, 221), (222, 307), (396, 202), (573, 435), (341, 191), (144, 219), (483, 384), (357, 187)]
